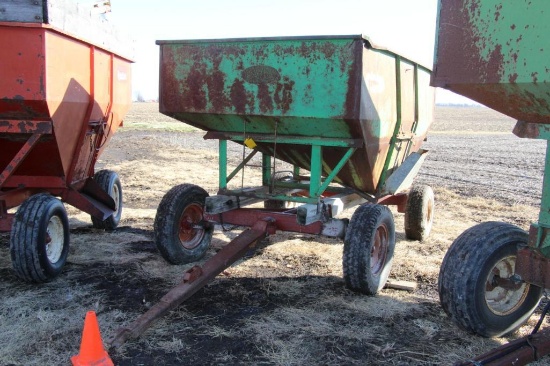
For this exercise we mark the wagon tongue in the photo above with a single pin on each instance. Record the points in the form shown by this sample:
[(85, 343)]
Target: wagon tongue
[(195, 279)]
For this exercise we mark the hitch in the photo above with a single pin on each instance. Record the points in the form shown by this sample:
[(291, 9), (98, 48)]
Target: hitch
[(196, 278)]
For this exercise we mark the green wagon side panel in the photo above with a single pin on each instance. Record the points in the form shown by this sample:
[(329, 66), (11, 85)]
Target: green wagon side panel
[(496, 52), (267, 80)]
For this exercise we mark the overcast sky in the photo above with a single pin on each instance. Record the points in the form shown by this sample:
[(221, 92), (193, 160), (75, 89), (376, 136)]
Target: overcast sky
[(404, 26)]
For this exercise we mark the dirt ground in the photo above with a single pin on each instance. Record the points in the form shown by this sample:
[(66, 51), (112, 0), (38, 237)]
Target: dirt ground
[(286, 304)]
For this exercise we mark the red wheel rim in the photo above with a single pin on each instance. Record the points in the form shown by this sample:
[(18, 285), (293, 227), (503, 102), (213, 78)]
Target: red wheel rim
[(190, 233), (379, 250)]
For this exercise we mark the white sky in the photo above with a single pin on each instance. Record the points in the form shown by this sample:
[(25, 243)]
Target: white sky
[(404, 26)]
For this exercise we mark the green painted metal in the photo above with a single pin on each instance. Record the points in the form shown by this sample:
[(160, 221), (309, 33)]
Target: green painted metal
[(496, 52), (296, 170), (294, 140), (315, 171), (266, 169), (540, 132), (222, 164), (499, 25), (241, 165), (316, 187), (393, 139), (544, 214), (333, 174), (416, 109)]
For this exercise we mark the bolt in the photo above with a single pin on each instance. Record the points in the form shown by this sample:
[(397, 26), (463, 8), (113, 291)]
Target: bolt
[(516, 279)]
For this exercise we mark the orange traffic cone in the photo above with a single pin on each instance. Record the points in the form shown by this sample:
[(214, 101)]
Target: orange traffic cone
[(92, 352)]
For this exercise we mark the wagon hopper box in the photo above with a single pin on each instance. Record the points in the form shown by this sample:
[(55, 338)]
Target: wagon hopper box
[(491, 280), (348, 117), (66, 86)]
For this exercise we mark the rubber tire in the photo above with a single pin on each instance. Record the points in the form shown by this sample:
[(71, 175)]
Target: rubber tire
[(358, 244), (419, 212), (463, 277), (167, 224), (28, 247), (109, 182)]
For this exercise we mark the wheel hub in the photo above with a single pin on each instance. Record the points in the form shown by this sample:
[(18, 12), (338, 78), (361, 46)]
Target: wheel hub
[(190, 232), (503, 294)]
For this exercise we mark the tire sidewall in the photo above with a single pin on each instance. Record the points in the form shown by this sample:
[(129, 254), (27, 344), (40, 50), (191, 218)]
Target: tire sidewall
[(418, 216)]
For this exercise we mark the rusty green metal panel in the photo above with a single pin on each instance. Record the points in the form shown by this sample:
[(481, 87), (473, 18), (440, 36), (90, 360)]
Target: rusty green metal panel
[(496, 52), (314, 88), (224, 80)]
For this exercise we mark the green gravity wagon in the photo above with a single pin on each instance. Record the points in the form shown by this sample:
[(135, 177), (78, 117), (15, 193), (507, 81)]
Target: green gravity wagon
[(327, 122)]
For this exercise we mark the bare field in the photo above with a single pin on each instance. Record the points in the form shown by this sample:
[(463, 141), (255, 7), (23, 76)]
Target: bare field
[(287, 303)]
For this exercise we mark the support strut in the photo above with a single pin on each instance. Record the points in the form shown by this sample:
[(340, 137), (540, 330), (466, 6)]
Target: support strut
[(195, 279)]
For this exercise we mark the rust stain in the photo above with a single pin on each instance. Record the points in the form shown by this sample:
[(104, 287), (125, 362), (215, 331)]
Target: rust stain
[(283, 94), (193, 94), (215, 87), (169, 83), (497, 12), (264, 96), (353, 93), (238, 96)]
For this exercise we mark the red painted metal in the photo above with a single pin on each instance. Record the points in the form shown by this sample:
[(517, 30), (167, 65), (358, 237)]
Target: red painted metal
[(283, 221), (519, 352), (399, 200), (533, 267), (195, 279), (6, 219), (18, 158), (61, 100)]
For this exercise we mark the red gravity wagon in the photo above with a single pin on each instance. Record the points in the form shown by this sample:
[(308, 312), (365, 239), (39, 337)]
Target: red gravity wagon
[(63, 94)]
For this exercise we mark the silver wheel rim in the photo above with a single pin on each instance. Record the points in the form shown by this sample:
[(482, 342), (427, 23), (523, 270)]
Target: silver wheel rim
[(499, 300), (55, 239), (116, 197), (429, 214)]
